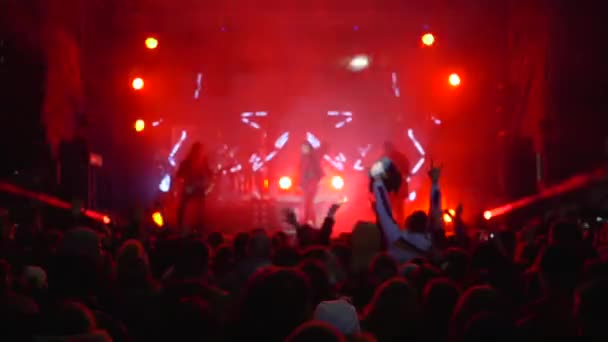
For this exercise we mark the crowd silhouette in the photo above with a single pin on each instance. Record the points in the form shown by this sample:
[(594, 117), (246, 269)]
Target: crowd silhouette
[(384, 281)]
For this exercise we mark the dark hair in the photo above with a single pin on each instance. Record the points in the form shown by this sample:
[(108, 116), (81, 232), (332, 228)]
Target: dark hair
[(315, 331), (192, 259), (319, 280), (417, 222), (274, 302)]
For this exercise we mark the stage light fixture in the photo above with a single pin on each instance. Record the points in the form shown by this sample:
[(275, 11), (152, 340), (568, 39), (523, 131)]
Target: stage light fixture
[(137, 83), (157, 218), (428, 39), (140, 125), (285, 183), (151, 43), (447, 218), (337, 182), (454, 80), (106, 219), (487, 215), (359, 62)]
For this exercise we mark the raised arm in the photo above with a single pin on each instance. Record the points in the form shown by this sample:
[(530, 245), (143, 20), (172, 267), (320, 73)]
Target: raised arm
[(435, 210), (382, 206)]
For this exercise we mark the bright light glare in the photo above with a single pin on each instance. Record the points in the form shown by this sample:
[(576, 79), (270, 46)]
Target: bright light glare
[(359, 63), (138, 83), (454, 80), (140, 125), (412, 196), (165, 183), (337, 182), (428, 39), (447, 218), (285, 183), (487, 215), (151, 43), (157, 218), (106, 219)]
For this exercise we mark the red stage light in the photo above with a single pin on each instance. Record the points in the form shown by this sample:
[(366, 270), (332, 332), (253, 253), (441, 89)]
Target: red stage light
[(157, 218), (428, 39), (454, 80), (487, 215), (106, 219), (151, 43), (138, 83), (140, 125), (285, 183), (337, 182)]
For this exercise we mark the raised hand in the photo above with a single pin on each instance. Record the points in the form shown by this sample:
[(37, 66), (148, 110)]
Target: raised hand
[(459, 210), (377, 170), (333, 209), (434, 172)]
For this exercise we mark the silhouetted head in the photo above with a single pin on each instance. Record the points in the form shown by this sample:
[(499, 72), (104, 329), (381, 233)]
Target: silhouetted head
[(319, 280), (417, 222), (306, 148), (590, 311), (192, 259), (274, 302), (215, 239), (382, 268), (315, 331), (439, 299), (393, 312), (560, 268)]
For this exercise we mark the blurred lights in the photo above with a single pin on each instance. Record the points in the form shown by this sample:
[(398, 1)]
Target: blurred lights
[(428, 39), (157, 218), (412, 196), (140, 125), (107, 220), (337, 182), (359, 63), (285, 183), (454, 80), (447, 218), (138, 83), (165, 184), (151, 43), (487, 215)]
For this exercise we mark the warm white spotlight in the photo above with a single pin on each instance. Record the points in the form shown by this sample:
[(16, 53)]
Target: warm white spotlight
[(358, 63)]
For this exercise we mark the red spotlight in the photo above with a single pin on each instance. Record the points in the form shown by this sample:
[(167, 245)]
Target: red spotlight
[(285, 183), (106, 219), (337, 182), (140, 125), (454, 80), (428, 39), (151, 43), (157, 218), (138, 83), (487, 215)]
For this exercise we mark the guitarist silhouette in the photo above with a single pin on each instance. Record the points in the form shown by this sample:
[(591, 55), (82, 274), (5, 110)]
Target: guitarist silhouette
[(196, 179)]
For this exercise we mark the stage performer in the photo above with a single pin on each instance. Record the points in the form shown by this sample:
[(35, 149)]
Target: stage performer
[(196, 178), (309, 178), (399, 197)]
